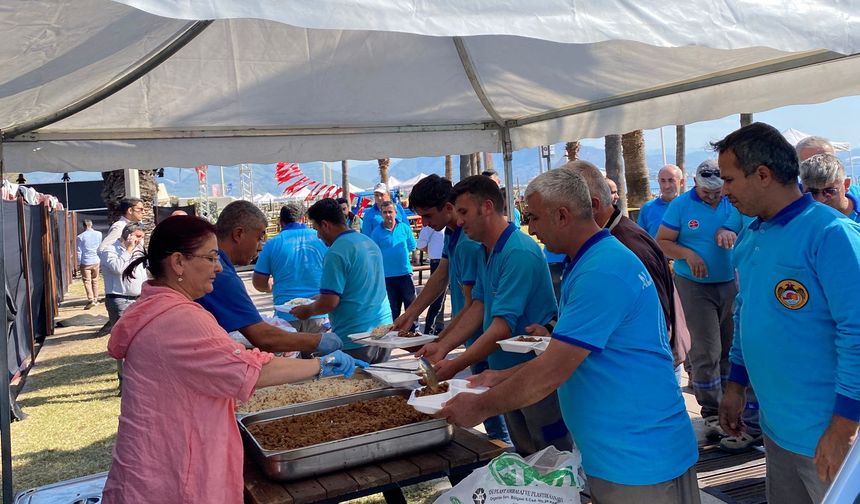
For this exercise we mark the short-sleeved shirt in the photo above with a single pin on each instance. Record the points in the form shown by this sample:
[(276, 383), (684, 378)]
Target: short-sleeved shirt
[(622, 404), (294, 260), (697, 224), (465, 257), (372, 218), (396, 245), (514, 284), (651, 215), (797, 321), (352, 270), (229, 302)]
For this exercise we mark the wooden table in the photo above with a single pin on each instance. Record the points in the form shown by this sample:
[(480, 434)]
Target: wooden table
[(469, 450)]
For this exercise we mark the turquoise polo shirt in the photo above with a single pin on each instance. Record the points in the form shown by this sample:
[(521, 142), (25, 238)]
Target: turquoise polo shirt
[(697, 224), (622, 405), (651, 215), (514, 284), (396, 246), (465, 256), (797, 321), (352, 270), (294, 259)]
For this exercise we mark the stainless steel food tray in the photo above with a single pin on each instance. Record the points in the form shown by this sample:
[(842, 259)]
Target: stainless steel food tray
[(343, 453)]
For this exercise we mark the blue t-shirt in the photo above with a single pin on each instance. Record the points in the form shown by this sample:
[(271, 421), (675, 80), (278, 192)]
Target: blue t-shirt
[(622, 405), (229, 302), (797, 321), (651, 215), (372, 218), (697, 224), (352, 270), (294, 260), (396, 246), (465, 257), (514, 284)]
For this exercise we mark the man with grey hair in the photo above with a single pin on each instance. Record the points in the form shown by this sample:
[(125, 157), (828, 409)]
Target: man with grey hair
[(823, 176), (670, 179), (241, 231), (293, 260), (609, 342), (813, 145), (87, 245), (699, 230)]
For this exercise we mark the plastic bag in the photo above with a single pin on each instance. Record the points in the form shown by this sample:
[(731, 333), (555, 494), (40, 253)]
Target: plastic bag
[(549, 476)]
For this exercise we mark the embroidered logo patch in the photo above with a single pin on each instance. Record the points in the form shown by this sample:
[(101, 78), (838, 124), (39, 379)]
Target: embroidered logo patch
[(693, 224), (791, 294)]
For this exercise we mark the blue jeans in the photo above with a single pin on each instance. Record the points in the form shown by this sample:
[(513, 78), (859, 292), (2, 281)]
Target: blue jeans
[(495, 426)]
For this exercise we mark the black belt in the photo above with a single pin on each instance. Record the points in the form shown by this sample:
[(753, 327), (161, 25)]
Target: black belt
[(120, 296)]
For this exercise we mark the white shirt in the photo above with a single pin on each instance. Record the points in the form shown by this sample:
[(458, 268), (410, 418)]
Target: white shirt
[(433, 240)]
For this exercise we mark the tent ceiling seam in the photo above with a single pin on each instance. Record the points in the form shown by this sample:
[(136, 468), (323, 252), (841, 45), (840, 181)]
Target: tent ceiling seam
[(472, 75), (793, 62), (140, 68)]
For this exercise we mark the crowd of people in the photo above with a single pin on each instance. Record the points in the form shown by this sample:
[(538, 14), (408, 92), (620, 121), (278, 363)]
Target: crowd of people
[(746, 279)]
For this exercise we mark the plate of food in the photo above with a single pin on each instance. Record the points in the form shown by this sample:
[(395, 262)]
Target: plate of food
[(430, 401), (292, 303), (520, 344), (384, 337)]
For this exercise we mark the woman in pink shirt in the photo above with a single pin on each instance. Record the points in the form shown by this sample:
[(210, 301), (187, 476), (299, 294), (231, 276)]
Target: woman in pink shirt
[(177, 439)]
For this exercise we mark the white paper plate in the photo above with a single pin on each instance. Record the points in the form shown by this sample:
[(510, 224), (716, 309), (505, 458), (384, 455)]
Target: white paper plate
[(391, 340), (393, 378), (292, 303), (432, 404), (512, 345)]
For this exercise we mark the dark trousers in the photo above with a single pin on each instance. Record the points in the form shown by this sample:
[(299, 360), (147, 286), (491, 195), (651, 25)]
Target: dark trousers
[(401, 293), (436, 311)]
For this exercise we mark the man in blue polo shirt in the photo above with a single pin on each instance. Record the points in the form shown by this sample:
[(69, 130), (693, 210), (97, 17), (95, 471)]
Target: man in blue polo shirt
[(797, 338), (698, 231), (372, 217), (241, 230), (610, 342), (396, 242), (293, 261), (823, 176), (352, 287), (513, 290), (432, 199), (651, 214)]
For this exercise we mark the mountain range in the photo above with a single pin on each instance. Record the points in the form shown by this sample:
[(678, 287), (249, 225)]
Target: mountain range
[(526, 163)]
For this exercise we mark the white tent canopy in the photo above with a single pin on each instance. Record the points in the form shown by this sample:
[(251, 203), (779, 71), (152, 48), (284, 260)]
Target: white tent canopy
[(385, 78), (795, 136)]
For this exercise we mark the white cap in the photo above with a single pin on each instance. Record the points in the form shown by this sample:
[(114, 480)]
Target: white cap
[(380, 188)]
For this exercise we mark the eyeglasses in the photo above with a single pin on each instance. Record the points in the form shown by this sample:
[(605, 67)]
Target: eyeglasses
[(213, 259), (709, 173), (827, 192)]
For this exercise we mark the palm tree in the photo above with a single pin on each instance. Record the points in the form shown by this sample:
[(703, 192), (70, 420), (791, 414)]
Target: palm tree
[(680, 152), (449, 170), (383, 170), (635, 168), (615, 168), (344, 181), (572, 150)]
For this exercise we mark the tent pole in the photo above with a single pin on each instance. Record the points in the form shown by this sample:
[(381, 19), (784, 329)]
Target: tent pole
[(508, 154), (5, 395)]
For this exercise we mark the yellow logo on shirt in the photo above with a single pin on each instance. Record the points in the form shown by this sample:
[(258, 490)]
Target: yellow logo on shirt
[(791, 294)]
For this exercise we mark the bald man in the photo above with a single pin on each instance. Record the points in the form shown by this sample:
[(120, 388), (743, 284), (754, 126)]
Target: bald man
[(651, 214)]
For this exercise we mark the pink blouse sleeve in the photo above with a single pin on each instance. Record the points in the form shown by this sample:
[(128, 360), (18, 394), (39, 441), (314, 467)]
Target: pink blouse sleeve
[(195, 350)]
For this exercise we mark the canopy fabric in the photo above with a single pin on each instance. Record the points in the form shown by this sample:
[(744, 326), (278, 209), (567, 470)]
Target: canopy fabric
[(795, 136), (383, 78)]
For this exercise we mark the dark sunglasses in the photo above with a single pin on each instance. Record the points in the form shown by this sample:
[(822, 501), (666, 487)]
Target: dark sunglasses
[(827, 191), (709, 173)]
